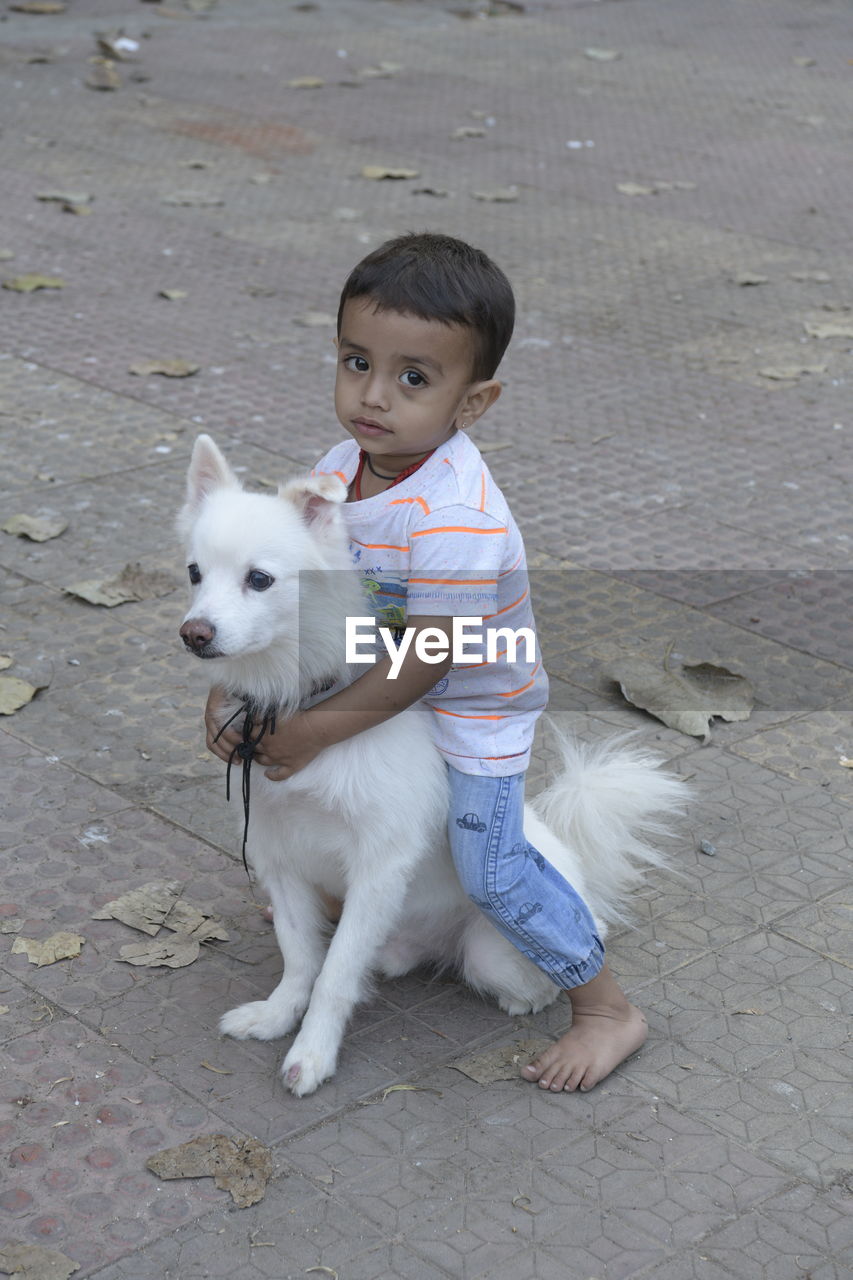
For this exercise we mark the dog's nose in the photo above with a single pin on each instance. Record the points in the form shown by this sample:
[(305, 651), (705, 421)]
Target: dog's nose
[(197, 633)]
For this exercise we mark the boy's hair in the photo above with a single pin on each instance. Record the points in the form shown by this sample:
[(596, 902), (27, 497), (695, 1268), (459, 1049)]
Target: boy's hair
[(436, 277)]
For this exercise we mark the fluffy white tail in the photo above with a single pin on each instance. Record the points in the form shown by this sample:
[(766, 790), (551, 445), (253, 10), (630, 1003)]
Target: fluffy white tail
[(610, 801)]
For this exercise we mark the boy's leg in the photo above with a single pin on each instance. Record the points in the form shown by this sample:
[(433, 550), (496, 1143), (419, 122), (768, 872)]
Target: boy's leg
[(533, 906), (606, 1029)]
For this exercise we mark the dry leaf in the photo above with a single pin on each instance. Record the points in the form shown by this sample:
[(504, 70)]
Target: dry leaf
[(29, 283), (845, 762), (383, 71), (634, 189), (220, 1071), (315, 320), (59, 946), (602, 55), (157, 904), (326, 1271), (686, 699), (409, 1088), (468, 131), (36, 528), (15, 693), (789, 372), (65, 197), (518, 1203), (33, 1261), (503, 1062), (242, 1166), (172, 295), (6, 661), (498, 195), (306, 82), (38, 6), (430, 191), (818, 277), (175, 952), (754, 1012), (198, 199), (103, 75), (829, 328), (133, 583), (747, 278), (379, 172), (166, 368)]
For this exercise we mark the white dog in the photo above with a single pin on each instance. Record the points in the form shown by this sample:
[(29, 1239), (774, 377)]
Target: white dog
[(366, 820)]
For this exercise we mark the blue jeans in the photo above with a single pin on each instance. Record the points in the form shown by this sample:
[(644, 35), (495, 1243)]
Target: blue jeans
[(522, 894)]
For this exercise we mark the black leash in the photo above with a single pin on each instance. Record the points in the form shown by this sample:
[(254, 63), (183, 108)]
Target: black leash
[(246, 751)]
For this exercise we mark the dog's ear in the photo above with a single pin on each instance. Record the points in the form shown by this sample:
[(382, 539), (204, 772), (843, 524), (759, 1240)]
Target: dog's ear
[(315, 498), (208, 471)]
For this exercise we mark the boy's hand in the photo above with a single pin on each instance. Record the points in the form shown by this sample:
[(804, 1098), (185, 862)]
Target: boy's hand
[(215, 715), (294, 744)]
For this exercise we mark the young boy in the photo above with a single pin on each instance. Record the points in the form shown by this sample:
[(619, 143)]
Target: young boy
[(422, 326)]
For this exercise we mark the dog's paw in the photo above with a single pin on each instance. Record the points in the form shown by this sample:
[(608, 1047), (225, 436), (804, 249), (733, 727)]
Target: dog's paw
[(303, 1071), (258, 1020)]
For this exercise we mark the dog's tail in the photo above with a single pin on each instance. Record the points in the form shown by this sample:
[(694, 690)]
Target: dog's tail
[(609, 804)]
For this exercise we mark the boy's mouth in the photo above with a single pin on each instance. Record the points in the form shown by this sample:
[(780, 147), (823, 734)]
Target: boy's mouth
[(368, 427)]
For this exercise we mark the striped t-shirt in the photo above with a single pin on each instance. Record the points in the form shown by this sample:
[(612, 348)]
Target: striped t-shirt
[(443, 542)]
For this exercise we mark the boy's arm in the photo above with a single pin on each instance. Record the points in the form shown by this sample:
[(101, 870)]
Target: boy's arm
[(368, 701)]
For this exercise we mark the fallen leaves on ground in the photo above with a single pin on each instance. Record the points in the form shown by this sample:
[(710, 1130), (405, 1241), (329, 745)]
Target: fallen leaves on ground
[(789, 372), (33, 1261), (504, 1062), (15, 693), (602, 55), (652, 188), (167, 368), (59, 946), (380, 172), (133, 583), (35, 528), (306, 82), (497, 195), (155, 905), (241, 1166), (115, 44), (29, 283), (196, 199), (38, 6), (103, 75), (315, 319), (65, 197), (829, 328), (685, 698)]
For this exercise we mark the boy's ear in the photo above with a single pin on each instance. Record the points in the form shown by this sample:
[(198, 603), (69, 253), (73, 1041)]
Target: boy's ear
[(481, 396)]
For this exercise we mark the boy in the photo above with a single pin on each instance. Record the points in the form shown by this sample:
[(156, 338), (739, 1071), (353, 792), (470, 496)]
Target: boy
[(422, 326)]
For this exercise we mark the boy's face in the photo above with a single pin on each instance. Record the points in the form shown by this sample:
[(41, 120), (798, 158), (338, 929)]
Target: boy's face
[(403, 384)]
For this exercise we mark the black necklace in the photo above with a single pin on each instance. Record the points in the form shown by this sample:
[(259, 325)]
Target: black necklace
[(379, 474)]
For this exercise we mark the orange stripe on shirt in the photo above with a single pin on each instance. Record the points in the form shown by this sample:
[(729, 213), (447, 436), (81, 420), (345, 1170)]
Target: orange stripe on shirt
[(512, 693), (512, 567), (399, 501), (458, 716), (455, 528), (379, 546), (507, 607)]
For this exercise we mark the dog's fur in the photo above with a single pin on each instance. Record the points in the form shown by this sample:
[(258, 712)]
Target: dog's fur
[(366, 820)]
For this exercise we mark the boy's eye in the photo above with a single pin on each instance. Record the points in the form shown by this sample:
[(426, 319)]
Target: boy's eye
[(358, 364), (258, 580), (412, 378), (195, 573)]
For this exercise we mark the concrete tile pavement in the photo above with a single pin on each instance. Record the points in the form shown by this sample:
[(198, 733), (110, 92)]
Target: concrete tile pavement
[(700, 502)]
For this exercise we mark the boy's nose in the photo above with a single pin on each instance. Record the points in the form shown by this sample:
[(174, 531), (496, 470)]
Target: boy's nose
[(375, 393)]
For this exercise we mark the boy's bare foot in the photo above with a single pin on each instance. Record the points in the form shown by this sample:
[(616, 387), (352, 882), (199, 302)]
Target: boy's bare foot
[(605, 1030)]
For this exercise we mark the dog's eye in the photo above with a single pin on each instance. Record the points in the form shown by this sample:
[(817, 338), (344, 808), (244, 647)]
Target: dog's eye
[(194, 572), (258, 580)]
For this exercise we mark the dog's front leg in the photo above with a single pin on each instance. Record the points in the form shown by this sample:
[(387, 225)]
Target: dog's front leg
[(298, 928), (370, 912)]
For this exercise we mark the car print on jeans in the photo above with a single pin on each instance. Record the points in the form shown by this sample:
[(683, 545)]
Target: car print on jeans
[(529, 909), (471, 822), (533, 854)]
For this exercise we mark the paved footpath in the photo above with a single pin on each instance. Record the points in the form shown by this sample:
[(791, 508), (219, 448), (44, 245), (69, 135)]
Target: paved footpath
[(669, 186)]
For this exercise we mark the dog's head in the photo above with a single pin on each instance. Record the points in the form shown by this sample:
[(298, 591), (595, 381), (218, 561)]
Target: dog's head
[(248, 555)]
